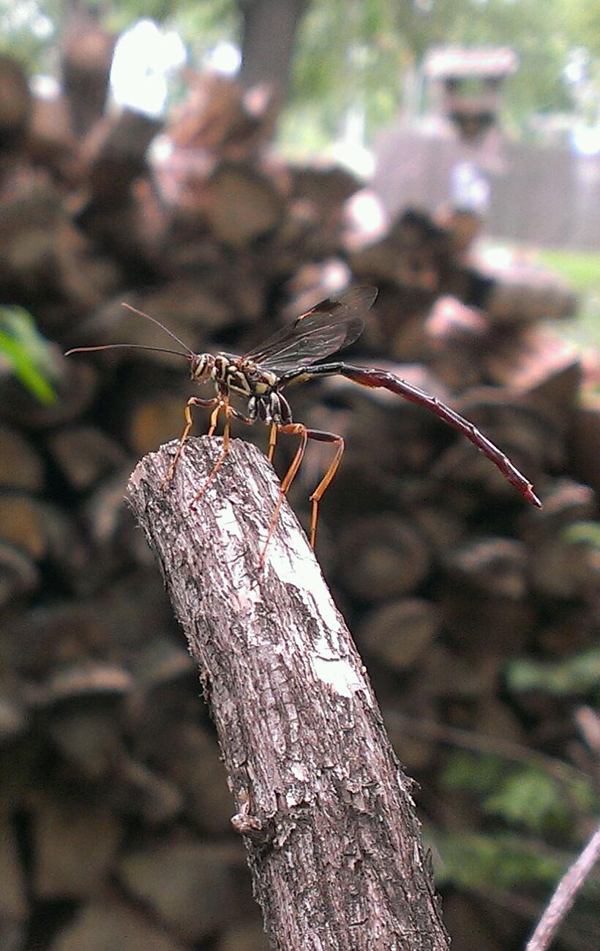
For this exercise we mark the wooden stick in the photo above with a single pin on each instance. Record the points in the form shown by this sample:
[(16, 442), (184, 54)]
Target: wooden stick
[(565, 895), (333, 841)]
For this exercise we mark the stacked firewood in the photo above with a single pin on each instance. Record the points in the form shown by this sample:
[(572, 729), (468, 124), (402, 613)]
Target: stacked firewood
[(115, 810)]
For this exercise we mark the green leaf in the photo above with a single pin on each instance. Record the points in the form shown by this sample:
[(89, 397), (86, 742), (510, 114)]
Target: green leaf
[(473, 860), (473, 772), (27, 352), (587, 532), (577, 675), (531, 799)]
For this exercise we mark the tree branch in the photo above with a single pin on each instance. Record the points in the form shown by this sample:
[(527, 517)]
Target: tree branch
[(333, 842), (565, 895)]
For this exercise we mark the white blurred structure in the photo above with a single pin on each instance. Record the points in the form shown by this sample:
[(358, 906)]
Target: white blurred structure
[(144, 56)]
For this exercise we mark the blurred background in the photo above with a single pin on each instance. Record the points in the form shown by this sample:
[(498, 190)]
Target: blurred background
[(223, 165)]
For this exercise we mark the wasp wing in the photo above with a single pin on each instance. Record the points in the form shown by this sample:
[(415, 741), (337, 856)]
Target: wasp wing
[(321, 331)]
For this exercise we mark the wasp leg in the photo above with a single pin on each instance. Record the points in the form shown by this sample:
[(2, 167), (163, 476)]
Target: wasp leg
[(229, 412), (319, 436), (327, 478), (272, 441), (296, 429), (193, 401), (214, 417)]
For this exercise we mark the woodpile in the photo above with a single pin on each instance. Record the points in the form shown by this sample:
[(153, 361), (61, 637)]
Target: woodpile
[(115, 811)]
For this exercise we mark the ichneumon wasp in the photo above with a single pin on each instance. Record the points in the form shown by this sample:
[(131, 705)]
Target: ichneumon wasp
[(292, 356)]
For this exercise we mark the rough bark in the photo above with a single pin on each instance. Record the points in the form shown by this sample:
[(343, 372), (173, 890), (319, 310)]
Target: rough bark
[(333, 842)]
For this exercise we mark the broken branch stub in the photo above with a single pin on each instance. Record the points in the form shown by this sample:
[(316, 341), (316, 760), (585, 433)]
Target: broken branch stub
[(326, 813)]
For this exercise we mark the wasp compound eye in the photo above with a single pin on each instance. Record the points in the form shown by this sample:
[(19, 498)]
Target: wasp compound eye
[(201, 366)]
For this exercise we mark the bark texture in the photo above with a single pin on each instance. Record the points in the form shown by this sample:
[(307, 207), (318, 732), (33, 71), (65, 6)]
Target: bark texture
[(326, 812), (269, 31)]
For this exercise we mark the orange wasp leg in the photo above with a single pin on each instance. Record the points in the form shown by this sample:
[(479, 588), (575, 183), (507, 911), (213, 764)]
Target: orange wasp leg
[(272, 441), (326, 480), (189, 422), (305, 434), (223, 404)]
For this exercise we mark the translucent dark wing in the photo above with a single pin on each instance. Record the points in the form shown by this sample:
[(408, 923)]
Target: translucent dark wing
[(326, 328)]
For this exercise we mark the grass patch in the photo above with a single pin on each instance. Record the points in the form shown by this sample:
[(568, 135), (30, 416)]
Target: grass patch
[(582, 270)]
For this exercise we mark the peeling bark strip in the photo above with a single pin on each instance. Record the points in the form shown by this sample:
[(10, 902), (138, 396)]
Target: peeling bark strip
[(326, 813)]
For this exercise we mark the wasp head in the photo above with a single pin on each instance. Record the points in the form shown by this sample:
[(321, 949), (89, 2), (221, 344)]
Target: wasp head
[(202, 364)]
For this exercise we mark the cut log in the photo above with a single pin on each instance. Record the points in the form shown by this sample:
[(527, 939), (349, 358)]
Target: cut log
[(50, 139), (108, 922), (565, 502), (13, 716), (382, 556), (192, 887), (47, 265), (83, 684), (490, 566), (114, 155), (157, 417), (502, 624), (537, 362), (15, 103), (327, 187), (218, 117), (241, 205), (247, 936), (90, 740), (52, 636), (564, 569), (74, 847), (399, 632), (190, 758), (84, 455), (450, 676), (440, 524), (528, 294), (112, 530), (22, 524), (14, 908), (46, 533), (75, 391), (21, 467), (584, 442), (142, 793)]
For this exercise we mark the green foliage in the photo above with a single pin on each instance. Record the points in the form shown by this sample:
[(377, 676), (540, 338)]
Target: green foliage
[(582, 270), (577, 675), (587, 533), (579, 268), (537, 801), (521, 795), (473, 772), (474, 860), (26, 352), (348, 56)]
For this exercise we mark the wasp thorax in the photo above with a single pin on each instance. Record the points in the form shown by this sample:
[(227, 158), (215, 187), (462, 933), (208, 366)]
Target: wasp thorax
[(202, 364)]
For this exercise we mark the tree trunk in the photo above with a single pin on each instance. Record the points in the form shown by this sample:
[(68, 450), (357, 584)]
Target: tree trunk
[(325, 810), (268, 36)]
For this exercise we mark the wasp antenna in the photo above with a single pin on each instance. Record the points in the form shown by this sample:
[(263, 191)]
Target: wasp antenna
[(128, 346), (158, 324)]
